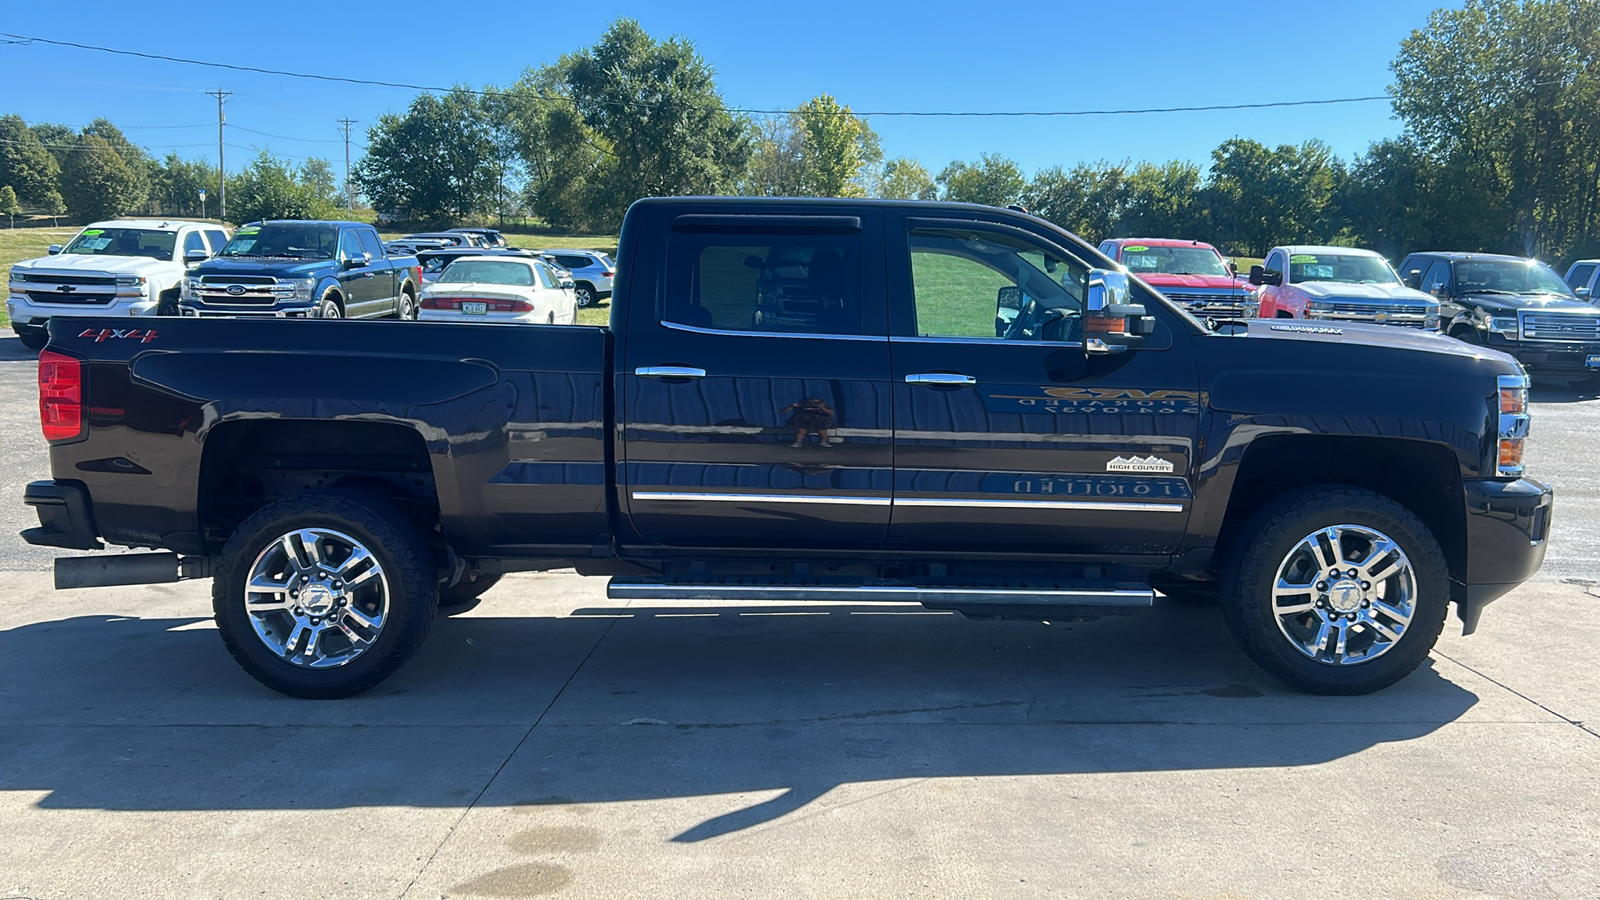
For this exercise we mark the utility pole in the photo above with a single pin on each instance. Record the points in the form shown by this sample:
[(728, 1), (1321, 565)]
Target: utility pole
[(222, 184), (349, 198)]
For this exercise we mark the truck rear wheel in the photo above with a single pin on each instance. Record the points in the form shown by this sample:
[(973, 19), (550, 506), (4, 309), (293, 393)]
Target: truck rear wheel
[(1336, 590), (325, 594)]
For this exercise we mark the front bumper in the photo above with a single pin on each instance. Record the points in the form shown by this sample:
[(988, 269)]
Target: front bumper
[(294, 310), (26, 314), (66, 518), (1565, 357), (1507, 531)]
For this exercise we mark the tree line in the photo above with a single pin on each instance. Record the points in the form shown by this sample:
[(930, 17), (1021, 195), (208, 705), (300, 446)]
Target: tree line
[(97, 173), (1500, 152)]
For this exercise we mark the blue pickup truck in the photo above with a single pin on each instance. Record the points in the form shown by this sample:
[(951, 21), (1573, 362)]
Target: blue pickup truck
[(304, 269)]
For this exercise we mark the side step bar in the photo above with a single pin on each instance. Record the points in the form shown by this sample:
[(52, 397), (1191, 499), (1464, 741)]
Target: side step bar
[(1127, 598)]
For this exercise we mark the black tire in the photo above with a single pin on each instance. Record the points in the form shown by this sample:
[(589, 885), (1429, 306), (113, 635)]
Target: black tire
[(393, 541), (405, 308), (466, 594), (34, 340), (1468, 336), (329, 307), (1265, 543), (584, 294)]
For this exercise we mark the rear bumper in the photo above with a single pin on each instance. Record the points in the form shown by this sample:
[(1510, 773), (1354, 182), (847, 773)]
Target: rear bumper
[(66, 518), (1508, 530)]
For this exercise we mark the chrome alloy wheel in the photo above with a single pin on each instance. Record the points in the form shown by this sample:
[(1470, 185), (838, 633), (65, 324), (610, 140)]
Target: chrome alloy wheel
[(1345, 595), (317, 598)]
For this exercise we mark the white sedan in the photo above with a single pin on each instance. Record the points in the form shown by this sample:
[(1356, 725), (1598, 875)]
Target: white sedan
[(499, 290)]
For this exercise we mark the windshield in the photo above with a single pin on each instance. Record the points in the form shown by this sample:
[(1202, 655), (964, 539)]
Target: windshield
[(293, 240), (1142, 260), (123, 242), (486, 271), (1345, 268), (1512, 276)]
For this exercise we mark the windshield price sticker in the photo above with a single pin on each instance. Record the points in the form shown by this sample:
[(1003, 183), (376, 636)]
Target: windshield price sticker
[(92, 244), (1135, 249), (1303, 258), (91, 232), (243, 231)]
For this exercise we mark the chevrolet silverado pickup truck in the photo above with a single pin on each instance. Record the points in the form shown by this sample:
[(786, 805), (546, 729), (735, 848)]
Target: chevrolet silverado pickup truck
[(126, 267), (298, 269), (1190, 273), (1339, 284), (881, 442), (1514, 305)]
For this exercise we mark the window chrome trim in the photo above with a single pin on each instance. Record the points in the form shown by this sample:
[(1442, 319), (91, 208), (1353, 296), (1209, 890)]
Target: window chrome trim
[(696, 329), (1108, 506), (956, 339), (760, 498)]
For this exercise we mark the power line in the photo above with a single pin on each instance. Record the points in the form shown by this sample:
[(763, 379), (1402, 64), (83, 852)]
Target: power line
[(284, 137), (25, 40), (222, 166), (346, 122)]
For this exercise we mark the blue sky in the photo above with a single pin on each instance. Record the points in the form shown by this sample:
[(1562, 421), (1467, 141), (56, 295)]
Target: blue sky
[(871, 55)]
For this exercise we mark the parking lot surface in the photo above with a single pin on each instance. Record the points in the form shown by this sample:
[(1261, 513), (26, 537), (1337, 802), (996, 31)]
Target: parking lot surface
[(553, 743)]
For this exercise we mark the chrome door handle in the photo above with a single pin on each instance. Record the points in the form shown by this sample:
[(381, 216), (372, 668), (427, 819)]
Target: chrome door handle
[(669, 372), (940, 378)]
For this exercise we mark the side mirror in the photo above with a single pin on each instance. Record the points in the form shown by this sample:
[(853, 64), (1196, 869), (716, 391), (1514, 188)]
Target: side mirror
[(54, 249), (1413, 279), (196, 256), (1257, 275), (1112, 324), (1581, 292), (359, 261)]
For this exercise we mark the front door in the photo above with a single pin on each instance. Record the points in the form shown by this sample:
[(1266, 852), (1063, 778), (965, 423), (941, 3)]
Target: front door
[(754, 395), (1008, 436), (362, 289)]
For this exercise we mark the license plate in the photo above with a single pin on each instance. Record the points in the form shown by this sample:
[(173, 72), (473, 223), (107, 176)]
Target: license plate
[(1592, 361), (474, 309)]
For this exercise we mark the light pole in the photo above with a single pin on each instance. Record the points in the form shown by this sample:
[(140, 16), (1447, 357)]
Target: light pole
[(202, 203)]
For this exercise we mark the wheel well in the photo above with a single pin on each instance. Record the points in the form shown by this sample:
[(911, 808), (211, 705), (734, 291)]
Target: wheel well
[(1285, 314), (589, 285), (247, 465), (337, 295), (1421, 477)]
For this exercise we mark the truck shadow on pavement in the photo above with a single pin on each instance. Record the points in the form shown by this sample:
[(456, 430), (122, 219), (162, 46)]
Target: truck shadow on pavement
[(11, 350), (721, 703)]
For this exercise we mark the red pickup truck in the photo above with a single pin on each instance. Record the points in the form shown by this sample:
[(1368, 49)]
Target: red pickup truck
[(1192, 274)]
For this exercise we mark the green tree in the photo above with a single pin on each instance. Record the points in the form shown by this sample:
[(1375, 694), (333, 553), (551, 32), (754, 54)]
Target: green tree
[(433, 164), (656, 105), (906, 179), (176, 187), (777, 159), (834, 148), (1087, 201), (139, 162), (1163, 201), (564, 162), (8, 204), (1258, 197), (1511, 89), (56, 138), (269, 188), (993, 180), (27, 166), (97, 182)]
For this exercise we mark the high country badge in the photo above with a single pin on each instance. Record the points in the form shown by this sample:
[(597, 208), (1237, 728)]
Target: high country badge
[(1138, 464)]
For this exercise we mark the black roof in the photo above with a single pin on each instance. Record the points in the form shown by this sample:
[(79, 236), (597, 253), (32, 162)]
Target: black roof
[(475, 251), (1462, 254)]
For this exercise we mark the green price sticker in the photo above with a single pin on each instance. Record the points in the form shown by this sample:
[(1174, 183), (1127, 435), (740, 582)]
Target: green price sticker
[(244, 231), (1303, 258), (1135, 249), (92, 232)]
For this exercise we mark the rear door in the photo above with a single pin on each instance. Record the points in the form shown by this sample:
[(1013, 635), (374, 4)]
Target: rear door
[(1009, 438), (754, 392)]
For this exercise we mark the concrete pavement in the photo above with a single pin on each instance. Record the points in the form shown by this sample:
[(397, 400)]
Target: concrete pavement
[(551, 742)]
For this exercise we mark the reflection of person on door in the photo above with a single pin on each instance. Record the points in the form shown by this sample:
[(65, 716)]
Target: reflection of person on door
[(811, 416)]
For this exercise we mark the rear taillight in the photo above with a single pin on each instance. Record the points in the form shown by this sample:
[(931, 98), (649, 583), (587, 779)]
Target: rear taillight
[(605, 274), (60, 396)]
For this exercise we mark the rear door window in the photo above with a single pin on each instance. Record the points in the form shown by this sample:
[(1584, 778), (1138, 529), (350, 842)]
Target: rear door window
[(574, 262), (775, 283), (1580, 276), (218, 239), (1438, 275), (194, 241)]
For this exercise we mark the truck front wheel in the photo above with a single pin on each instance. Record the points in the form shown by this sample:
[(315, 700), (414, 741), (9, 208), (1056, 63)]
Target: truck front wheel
[(325, 594), (1336, 590)]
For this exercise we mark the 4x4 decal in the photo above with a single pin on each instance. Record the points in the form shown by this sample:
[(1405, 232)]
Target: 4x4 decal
[(101, 335)]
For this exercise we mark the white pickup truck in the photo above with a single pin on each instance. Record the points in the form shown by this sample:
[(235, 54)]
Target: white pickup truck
[(125, 267)]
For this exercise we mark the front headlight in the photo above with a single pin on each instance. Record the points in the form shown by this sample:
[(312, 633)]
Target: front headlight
[(186, 288), (17, 275), (1506, 325), (303, 288), (130, 281), (1319, 305)]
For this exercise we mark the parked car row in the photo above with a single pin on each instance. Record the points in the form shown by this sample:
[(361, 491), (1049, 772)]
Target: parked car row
[(1507, 303), (299, 269)]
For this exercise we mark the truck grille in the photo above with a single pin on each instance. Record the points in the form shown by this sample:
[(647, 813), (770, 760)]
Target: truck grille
[(76, 298), (1383, 313), (75, 280), (1542, 326), (77, 290), (1222, 305), (241, 290)]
